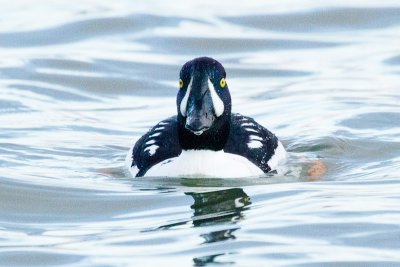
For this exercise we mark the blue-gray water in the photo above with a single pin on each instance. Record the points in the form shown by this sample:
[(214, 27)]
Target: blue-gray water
[(79, 83)]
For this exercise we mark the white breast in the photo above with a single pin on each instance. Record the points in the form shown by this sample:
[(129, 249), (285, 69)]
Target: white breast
[(205, 163)]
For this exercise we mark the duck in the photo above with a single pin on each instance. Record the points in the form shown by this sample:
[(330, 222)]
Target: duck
[(204, 138)]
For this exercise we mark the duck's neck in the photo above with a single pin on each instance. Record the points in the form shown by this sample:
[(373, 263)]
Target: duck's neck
[(214, 138)]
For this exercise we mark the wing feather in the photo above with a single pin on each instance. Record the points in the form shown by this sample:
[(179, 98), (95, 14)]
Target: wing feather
[(159, 143), (251, 140)]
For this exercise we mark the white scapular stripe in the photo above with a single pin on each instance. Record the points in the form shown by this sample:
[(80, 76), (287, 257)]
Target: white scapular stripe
[(154, 135), (255, 137), (217, 102), (251, 130), (185, 99), (150, 142), (151, 149), (254, 144)]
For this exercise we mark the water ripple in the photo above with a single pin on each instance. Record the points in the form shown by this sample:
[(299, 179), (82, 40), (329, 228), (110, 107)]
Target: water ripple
[(79, 86), (85, 29), (320, 20)]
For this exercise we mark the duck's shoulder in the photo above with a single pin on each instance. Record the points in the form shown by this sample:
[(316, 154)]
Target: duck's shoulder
[(251, 140), (159, 143)]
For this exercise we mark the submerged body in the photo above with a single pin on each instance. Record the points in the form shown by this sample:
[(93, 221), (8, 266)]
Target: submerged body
[(205, 138)]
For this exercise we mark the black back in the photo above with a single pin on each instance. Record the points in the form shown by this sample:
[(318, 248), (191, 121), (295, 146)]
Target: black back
[(165, 137), (233, 133), (243, 130)]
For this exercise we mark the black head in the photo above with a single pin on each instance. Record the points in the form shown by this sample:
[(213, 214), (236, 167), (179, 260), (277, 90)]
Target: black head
[(203, 103)]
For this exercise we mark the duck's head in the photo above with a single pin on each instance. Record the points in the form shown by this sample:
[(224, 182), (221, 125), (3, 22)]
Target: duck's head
[(203, 100)]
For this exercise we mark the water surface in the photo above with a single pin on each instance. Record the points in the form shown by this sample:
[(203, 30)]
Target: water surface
[(79, 84)]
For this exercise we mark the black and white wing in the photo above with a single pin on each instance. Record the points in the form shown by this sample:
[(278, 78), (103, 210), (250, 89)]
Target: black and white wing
[(159, 143), (249, 139)]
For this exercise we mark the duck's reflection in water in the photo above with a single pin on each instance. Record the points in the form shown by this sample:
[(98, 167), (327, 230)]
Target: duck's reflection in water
[(212, 208), (216, 208)]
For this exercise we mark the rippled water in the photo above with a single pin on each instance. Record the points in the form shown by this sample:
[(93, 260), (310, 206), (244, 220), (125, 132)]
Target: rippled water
[(80, 83)]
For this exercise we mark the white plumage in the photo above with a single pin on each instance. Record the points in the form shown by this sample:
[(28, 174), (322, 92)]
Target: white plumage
[(205, 163), (185, 99), (217, 102), (279, 158), (212, 164)]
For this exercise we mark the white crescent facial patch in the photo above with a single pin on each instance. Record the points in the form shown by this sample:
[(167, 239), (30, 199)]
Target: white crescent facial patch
[(185, 99), (217, 102)]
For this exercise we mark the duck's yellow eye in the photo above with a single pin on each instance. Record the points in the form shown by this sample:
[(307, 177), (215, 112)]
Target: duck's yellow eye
[(180, 83), (222, 82)]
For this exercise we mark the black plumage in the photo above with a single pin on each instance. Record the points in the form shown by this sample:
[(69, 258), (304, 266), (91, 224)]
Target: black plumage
[(232, 133)]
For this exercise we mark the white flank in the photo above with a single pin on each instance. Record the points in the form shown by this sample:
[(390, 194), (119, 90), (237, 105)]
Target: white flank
[(185, 99), (217, 102), (279, 157), (128, 162), (205, 163), (134, 170)]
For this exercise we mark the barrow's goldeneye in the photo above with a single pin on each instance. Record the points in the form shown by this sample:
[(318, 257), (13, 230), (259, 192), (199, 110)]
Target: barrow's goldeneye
[(205, 138)]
